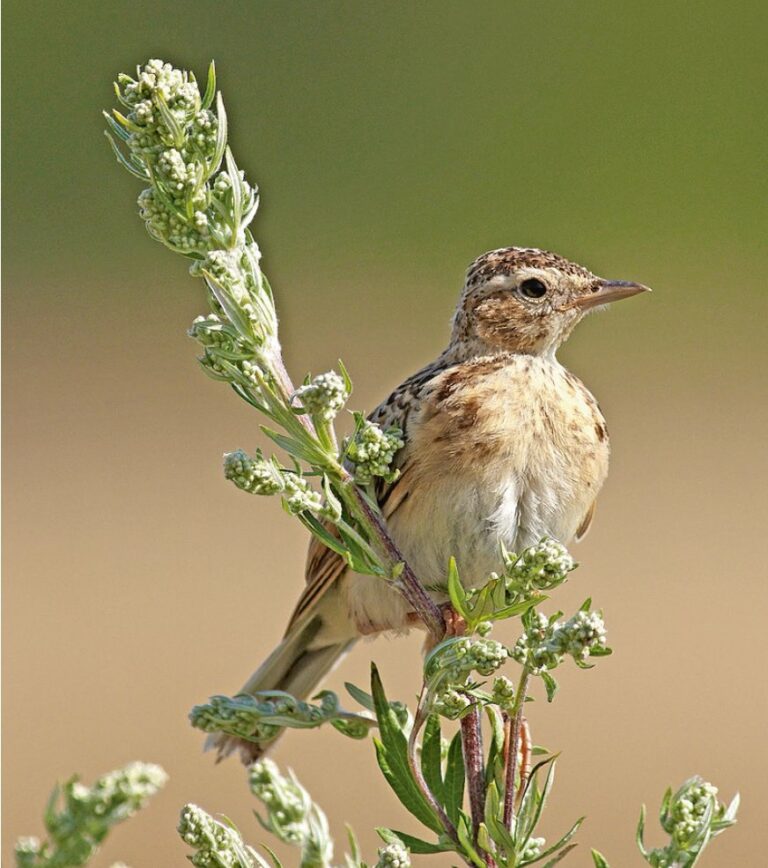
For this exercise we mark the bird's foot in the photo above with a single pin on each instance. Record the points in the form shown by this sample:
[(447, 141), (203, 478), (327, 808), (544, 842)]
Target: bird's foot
[(455, 625)]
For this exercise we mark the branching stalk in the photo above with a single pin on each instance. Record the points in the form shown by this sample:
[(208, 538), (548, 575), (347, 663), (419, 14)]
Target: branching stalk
[(512, 732)]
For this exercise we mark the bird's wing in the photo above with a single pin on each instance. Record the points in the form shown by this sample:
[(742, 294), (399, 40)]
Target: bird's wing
[(325, 566), (586, 522)]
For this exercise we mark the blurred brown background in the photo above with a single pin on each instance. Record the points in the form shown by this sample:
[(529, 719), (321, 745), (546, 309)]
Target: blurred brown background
[(393, 143)]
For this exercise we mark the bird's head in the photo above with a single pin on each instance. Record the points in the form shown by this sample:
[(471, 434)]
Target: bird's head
[(523, 300)]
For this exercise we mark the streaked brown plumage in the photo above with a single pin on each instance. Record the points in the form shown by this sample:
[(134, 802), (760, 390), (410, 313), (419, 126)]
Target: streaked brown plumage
[(502, 444)]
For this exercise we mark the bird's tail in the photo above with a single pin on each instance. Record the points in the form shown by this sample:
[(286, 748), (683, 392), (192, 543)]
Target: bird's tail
[(309, 651)]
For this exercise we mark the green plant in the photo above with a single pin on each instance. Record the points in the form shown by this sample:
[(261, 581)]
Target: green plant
[(481, 803)]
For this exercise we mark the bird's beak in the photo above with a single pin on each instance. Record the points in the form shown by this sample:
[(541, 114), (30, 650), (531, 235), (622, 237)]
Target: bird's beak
[(609, 290)]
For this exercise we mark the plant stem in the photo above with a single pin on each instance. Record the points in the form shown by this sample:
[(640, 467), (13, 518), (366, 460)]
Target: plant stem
[(472, 746), (407, 583), (512, 746)]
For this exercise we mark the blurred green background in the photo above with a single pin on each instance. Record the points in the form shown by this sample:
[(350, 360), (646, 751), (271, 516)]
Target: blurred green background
[(393, 142)]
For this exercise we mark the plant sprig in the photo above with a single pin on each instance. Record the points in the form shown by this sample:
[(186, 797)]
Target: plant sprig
[(198, 203)]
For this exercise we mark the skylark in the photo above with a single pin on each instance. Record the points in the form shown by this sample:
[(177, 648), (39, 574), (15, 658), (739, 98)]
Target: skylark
[(502, 445)]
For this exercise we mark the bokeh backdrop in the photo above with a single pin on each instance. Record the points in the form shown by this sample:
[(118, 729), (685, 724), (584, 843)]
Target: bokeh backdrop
[(392, 142)]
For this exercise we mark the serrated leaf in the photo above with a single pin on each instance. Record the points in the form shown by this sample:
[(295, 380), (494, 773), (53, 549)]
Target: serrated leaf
[(392, 756)]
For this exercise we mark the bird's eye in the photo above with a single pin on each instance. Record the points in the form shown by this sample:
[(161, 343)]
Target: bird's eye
[(532, 288)]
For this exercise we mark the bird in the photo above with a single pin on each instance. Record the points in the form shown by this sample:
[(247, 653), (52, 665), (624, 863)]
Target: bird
[(502, 446)]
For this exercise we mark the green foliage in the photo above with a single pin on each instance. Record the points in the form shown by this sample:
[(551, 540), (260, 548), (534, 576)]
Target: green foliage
[(260, 718), (198, 203), (691, 817), (78, 818)]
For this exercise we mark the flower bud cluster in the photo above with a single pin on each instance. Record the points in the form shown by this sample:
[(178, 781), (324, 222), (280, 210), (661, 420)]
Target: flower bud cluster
[(291, 814), (260, 718), (177, 142), (503, 693), (216, 845), (539, 568), (394, 855), (300, 497), (257, 475), (30, 852), (260, 475), (323, 397), (449, 665), (533, 848), (87, 814), (691, 809), (286, 801), (451, 703), (546, 641), (241, 716), (372, 451), (154, 129)]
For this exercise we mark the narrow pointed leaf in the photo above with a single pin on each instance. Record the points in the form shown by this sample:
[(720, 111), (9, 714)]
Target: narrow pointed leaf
[(210, 87), (454, 779), (456, 590), (392, 756), (431, 761)]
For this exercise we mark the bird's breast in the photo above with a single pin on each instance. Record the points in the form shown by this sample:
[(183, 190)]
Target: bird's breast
[(505, 451)]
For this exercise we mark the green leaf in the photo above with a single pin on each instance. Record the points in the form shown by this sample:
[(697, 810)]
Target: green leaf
[(560, 856), (392, 756), (124, 161), (326, 538), (454, 779), (431, 759), (359, 695), (421, 848), (296, 448), (456, 590), (174, 127), (210, 87), (561, 843), (550, 685), (519, 608), (538, 800), (345, 376), (221, 136), (465, 839), (354, 847), (640, 834), (599, 860), (236, 187)]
